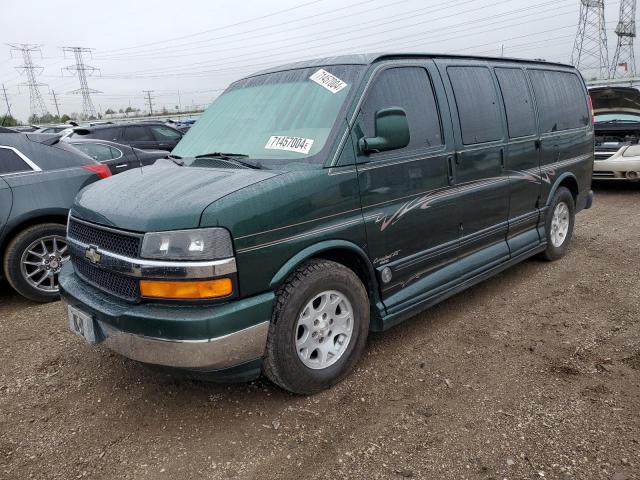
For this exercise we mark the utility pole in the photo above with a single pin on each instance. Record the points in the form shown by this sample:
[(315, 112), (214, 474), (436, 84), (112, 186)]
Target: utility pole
[(6, 101), (179, 102), (626, 31), (55, 102), (149, 100), (83, 70), (590, 54), (36, 103)]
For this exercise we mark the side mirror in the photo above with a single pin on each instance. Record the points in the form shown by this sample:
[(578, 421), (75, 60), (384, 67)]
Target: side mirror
[(392, 132)]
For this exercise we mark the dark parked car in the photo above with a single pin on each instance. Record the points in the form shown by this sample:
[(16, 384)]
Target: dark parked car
[(116, 156), (143, 135), (354, 193), (39, 177)]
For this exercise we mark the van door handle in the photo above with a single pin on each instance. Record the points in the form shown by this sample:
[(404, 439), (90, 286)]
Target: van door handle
[(502, 158), (451, 179), (538, 144)]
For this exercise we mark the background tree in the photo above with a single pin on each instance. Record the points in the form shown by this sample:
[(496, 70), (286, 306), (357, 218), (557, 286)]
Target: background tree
[(8, 121)]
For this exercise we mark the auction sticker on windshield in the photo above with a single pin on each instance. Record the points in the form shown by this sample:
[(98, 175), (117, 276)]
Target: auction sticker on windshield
[(291, 144), (328, 81)]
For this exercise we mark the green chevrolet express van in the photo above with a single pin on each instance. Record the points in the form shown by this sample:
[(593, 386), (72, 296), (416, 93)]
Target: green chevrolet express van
[(317, 201)]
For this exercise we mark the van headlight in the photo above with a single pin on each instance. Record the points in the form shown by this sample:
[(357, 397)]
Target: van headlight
[(189, 245)]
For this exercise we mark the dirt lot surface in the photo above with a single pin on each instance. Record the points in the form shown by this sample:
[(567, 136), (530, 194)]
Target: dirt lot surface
[(534, 373)]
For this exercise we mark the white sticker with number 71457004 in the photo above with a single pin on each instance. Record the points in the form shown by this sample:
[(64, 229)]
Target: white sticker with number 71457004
[(291, 144)]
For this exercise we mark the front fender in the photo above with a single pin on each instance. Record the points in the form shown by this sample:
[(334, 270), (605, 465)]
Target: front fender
[(326, 247), (315, 250)]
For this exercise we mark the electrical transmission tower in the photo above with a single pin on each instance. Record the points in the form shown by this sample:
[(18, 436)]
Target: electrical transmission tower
[(83, 70), (149, 100), (6, 100), (54, 98), (590, 54), (624, 60), (37, 105)]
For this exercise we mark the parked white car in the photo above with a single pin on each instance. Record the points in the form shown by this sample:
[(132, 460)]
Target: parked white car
[(617, 133)]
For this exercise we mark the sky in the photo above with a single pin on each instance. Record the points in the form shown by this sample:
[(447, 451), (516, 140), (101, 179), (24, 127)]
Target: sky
[(188, 51)]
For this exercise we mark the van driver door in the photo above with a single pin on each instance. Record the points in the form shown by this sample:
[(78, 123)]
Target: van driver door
[(408, 194)]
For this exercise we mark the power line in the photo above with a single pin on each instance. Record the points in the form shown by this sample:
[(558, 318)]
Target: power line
[(36, 103), (177, 49), (172, 40), (82, 70), (590, 53), (369, 27), (454, 34), (626, 31)]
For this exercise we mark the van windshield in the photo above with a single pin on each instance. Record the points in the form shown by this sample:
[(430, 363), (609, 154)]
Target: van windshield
[(278, 117)]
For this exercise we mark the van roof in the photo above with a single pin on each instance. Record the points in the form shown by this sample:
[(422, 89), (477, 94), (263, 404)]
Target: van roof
[(369, 58)]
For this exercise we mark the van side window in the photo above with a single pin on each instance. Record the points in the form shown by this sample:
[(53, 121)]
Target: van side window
[(517, 102), (561, 100), (10, 162), (477, 100), (409, 88)]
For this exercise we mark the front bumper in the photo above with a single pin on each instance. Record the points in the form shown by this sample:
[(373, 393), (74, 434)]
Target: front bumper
[(194, 337), (617, 167)]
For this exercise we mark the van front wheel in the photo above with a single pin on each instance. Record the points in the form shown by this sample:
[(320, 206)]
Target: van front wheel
[(319, 327), (559, 224)]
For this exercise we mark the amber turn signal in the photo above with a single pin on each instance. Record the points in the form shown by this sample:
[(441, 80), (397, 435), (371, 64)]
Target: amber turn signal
[(196, 290)]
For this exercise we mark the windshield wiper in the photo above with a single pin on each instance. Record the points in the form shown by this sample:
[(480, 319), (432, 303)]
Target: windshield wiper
[(177, 159), (617, 120), (231, 157)]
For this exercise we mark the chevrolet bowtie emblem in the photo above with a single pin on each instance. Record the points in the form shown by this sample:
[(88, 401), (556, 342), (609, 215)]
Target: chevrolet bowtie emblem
[(92, 254)]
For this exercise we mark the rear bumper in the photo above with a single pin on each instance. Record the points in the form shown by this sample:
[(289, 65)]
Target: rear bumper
[(194, 337)]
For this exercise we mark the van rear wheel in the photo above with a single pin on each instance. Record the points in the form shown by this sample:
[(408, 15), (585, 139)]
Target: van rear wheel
[(559, 224), (319, 327)]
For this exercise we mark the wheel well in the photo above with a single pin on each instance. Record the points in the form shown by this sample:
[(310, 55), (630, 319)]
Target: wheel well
[(353, 262), (359, 266), (571, 184), (30, 222)]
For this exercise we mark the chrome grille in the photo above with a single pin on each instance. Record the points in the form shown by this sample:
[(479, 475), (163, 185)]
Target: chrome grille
[(603, 155), (119, 285), (603, 174), (122, 243)]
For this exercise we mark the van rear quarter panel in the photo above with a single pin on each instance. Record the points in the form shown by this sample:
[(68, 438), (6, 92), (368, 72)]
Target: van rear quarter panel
[(274, 220), (565, 152)]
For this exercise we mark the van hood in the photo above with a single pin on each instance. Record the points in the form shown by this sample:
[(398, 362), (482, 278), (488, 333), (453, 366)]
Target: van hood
[(159, 198), (615, 100)]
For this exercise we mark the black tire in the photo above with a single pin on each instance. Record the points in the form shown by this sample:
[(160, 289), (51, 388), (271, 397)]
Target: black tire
[(282, 365), (555, 252), (13, 256)]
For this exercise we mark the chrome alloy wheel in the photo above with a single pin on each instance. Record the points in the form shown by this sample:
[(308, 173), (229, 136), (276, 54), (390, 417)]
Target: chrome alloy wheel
[(324, 329), (559, 224), (41, 262)]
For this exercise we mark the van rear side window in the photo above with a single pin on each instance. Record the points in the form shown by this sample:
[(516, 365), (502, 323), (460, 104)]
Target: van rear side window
[(521, 120), (561, 100)]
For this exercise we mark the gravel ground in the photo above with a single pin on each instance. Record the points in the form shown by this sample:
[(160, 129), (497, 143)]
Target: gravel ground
[(534, 373)]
